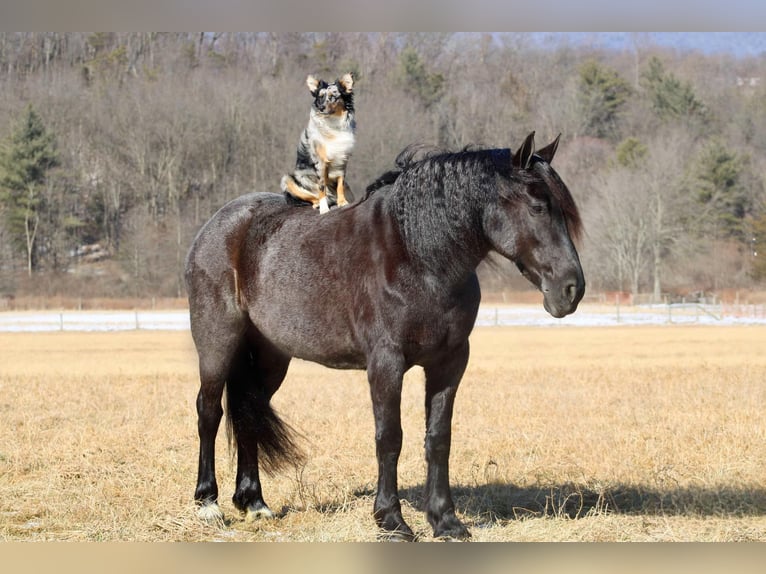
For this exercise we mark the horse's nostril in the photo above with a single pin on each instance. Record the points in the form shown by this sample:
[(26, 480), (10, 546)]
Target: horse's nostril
[(570, 291)]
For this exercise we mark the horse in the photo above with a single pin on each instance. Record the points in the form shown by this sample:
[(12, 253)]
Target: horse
[(261, 275)]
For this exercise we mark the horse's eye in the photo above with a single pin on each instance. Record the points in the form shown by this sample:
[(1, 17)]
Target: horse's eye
[(538, 208)]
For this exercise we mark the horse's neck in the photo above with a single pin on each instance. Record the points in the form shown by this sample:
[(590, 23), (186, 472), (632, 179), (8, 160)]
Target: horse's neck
[(447, 245)]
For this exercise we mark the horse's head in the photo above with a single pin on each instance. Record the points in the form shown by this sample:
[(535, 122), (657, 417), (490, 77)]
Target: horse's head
[(533, 223)]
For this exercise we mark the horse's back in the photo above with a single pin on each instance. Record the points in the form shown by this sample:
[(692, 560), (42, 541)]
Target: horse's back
[(227, 227), (211, 277)]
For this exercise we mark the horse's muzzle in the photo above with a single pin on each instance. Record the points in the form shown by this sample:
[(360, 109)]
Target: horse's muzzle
[(562, 299)]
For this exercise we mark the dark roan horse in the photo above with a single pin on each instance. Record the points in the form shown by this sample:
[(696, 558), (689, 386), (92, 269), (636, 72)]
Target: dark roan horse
[(384, 284)]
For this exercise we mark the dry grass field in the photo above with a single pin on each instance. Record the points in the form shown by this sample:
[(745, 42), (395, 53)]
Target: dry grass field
[(576, 434)]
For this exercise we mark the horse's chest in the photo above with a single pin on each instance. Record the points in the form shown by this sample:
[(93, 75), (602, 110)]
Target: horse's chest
[(427, 330)]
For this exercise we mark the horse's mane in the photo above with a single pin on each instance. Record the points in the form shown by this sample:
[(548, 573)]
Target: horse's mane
[(436, 197), (433, 160), (408, 156)]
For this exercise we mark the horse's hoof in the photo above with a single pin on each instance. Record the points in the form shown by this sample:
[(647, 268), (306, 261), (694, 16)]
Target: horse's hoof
[(450, 528), (396, 536), (261, 513), (395, 531), (453, 538), (452, 534), (210, 512)]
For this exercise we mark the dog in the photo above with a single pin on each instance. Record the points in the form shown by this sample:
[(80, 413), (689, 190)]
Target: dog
[(325, 145)]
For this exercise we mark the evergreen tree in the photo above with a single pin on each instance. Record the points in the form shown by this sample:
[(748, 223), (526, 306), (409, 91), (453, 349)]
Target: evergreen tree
[(718, 182), (757, 242), (631, 152), (428, 87), (671, 98), (603, 94), (25, 160)]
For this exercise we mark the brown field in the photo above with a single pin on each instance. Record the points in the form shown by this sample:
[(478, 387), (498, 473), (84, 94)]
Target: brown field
[(577, 434)]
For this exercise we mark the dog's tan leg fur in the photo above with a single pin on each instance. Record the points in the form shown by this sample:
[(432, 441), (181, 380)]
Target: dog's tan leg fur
[(341, 191)]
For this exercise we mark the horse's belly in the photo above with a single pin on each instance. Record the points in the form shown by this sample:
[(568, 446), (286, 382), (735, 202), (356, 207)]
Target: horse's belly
[(305, 335)]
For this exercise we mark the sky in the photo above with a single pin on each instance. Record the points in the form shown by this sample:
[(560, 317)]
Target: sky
[(740, 44), (377, 15)]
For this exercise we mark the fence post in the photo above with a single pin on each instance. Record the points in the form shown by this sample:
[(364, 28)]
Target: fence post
[(617, 305), (137, 325), (61, 321)]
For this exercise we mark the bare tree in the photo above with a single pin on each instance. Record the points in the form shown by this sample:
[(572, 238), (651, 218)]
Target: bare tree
[(158, 130)]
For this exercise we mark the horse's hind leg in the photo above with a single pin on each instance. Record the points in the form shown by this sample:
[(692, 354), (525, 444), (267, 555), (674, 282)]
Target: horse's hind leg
[(257, 373), (209, 413), (214, 363), (213, 370)]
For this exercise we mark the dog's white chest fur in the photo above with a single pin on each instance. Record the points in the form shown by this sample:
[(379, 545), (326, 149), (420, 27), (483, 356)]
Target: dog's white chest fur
[(335, 133)]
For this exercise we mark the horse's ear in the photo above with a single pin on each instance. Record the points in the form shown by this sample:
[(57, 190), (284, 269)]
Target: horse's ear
[(312, 84), (523, 155), (549, 151)]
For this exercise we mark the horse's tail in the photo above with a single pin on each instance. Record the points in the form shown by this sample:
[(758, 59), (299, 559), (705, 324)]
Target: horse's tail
[(250, 419)]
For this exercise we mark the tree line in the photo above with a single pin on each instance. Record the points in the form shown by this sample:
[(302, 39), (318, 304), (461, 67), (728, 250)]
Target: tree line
[(116, 147)]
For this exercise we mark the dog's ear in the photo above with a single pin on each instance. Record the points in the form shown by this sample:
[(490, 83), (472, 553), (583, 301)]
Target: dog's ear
[(347, 82), (313, 84)]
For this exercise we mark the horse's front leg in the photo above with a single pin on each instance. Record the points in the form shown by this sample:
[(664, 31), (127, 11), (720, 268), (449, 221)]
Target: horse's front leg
[(442, 380), (385, 370)]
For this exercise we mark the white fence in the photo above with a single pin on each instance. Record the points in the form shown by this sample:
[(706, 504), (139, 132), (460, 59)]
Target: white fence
[(94, 321), (489, 315)]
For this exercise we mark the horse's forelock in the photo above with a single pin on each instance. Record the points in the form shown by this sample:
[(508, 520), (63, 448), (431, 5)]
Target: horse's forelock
[(563, 197)]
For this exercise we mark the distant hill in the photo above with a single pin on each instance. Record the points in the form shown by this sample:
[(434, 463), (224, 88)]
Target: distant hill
[(738, 44)]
